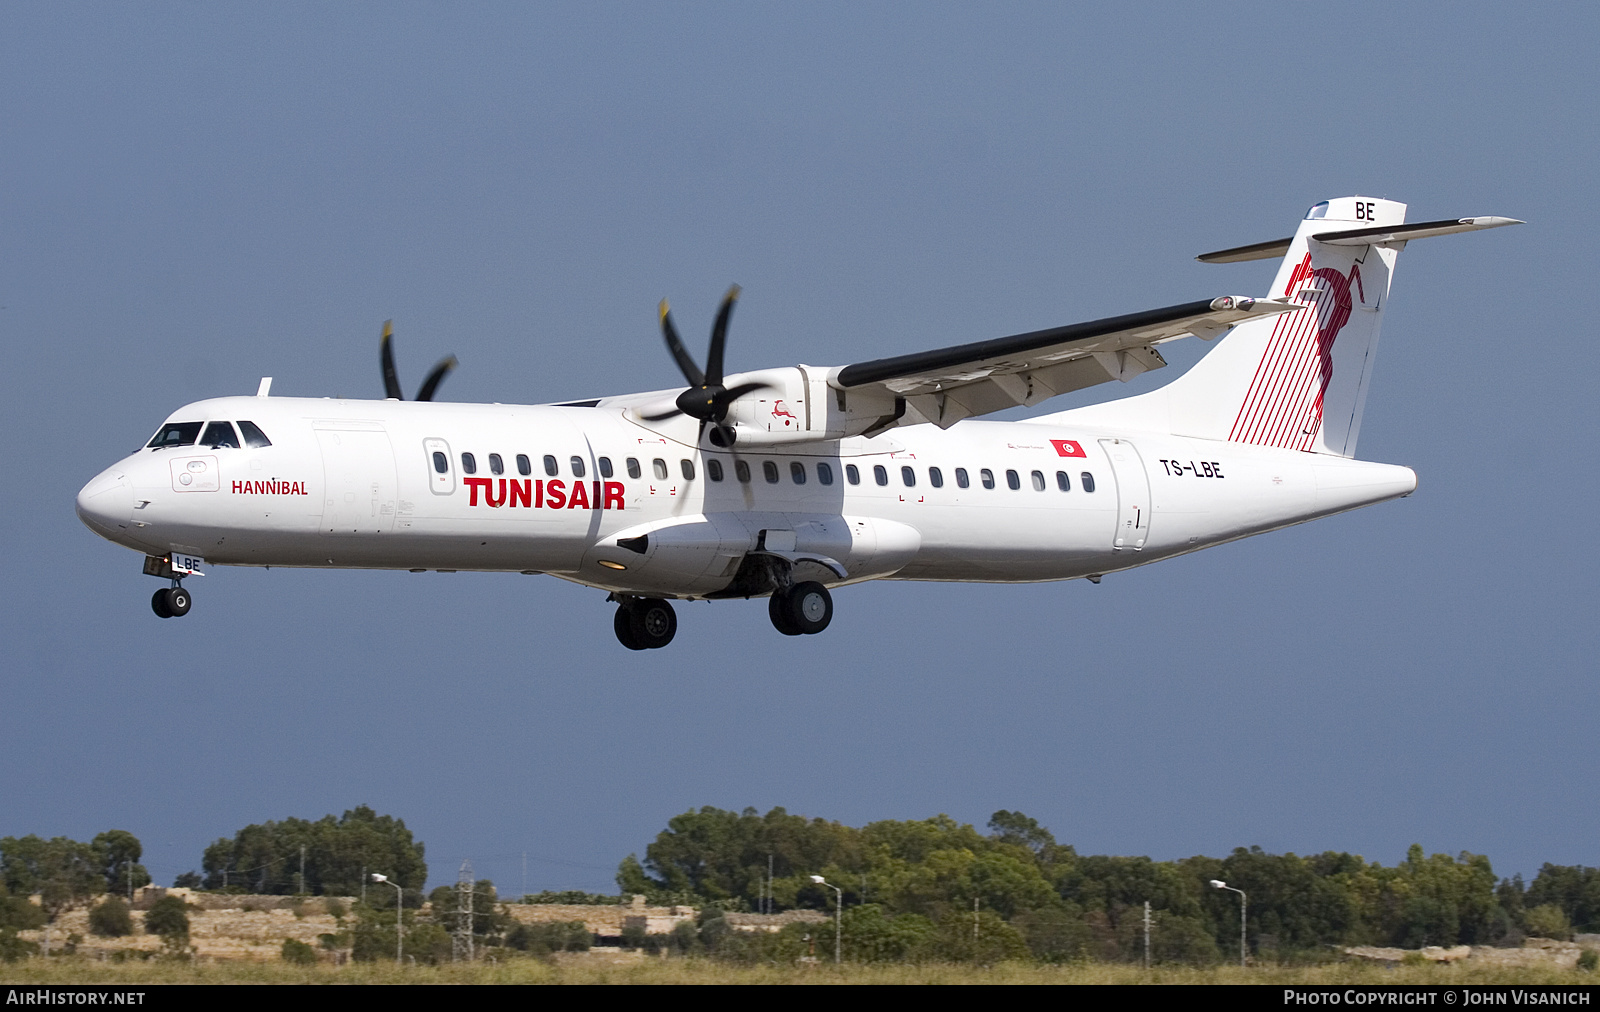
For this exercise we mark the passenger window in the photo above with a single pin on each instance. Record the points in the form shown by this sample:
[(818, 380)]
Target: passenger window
[(253, 436), (550, 467), (852, 474), (687, 467), (741, 470), (935, 477), (577, 467), (496, 465), (1063, 482), (1013, 480), (909, 476), (714, 469), (769, 471), (605, 467), (986, 476), (962, 481), (824, 473), (176, 434), (524, 465), (797, 472), (659, 466), (441, 463), (469, 463), (1038, 481), (218, 435), (1088, 481), (880, 474), (633, 467)]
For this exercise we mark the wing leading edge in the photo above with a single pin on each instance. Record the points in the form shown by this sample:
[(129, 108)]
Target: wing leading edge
[(948, 384)]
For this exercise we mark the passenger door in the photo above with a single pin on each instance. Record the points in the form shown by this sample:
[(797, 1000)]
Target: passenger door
[(1133, 495)]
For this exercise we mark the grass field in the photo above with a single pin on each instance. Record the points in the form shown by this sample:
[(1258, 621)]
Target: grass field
[(68, 970)]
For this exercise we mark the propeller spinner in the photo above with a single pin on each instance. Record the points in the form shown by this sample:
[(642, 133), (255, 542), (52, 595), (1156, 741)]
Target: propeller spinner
[(391, 380), (706, 399)]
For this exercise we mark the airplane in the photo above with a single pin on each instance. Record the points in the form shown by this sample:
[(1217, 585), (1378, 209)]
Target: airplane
[(787, 483)]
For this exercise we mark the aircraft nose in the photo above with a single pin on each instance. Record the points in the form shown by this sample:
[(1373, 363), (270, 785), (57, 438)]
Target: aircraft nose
[(105, 505)]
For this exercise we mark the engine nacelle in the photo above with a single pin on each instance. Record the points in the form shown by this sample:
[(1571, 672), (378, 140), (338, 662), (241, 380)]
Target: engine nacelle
[(797, 405)]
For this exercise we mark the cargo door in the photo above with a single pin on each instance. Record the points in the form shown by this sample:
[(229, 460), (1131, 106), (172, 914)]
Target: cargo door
[(359, 487)]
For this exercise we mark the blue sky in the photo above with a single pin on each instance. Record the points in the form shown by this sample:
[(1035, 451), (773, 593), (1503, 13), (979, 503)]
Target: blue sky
[(194, 196)]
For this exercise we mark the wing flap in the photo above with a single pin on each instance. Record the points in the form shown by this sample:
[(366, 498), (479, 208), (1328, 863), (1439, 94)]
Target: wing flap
[(928, 371), (948, 384)]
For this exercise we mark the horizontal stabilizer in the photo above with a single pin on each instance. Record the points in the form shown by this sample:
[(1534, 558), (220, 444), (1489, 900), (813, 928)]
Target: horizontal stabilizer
[(1417, 230), (1357, 237), (1255, 251)]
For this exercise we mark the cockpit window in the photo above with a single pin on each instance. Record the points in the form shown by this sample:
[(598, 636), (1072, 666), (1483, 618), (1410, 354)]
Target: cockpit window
[(253, 436), (219, 434), (176, 434)]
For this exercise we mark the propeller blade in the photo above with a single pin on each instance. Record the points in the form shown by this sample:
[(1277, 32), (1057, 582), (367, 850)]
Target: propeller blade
[(680, 354), (431, 384), (734, 393), (674, 413), (719, 338), (391, 381)]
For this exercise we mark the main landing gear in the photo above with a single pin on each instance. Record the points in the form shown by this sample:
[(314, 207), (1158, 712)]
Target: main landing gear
[(644, 623), (649, 623), (171, 602), (801, 610)]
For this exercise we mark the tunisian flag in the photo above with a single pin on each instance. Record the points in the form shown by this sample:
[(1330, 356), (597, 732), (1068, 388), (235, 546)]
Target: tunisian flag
[(1067, 448)]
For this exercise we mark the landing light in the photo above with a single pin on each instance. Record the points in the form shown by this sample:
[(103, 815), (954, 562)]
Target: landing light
[(612, 565)]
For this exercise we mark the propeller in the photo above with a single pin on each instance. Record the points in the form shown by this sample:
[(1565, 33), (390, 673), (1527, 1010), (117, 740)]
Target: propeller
[(391, 380), (706, 399)]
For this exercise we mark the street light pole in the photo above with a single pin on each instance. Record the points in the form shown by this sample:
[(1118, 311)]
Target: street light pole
[(838, 913), (1219, 884), (399, 910)]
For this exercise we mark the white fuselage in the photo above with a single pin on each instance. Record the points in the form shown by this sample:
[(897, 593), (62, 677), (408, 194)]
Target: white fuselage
[(358, 484)]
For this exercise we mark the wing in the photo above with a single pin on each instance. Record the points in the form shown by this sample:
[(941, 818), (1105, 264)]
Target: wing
[(949, 384)]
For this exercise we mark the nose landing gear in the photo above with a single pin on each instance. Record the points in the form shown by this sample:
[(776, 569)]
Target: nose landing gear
[(646, 623), (171, 602)]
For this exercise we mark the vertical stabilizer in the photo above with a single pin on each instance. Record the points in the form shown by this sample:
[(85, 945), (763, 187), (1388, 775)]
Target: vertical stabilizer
[(1299, 381)]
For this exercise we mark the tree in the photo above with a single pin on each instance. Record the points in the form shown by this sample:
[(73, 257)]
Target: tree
[(631, 879), (63, 872), (110, 919), (169, 918), (1016, 828), (298, 953), (1548, 920), (1574, 888), (982, 938), (868, 935), (119, 852), (16, 913), (266, 857)]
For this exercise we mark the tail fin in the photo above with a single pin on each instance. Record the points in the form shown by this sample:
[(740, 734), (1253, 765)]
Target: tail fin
[(1297, 381)]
